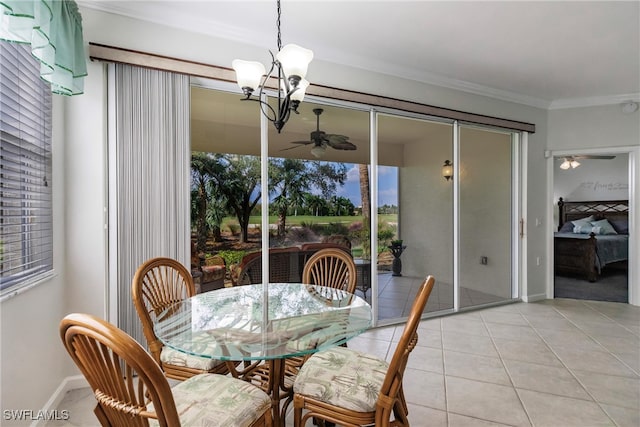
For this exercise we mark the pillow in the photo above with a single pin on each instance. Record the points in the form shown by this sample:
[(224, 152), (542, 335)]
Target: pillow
[(567, 227), (620, 225), (603, 226), (581, 226)]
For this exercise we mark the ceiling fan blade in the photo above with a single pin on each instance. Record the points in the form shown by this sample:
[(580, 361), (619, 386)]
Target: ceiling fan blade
[(291, 148), (339, 142), (301, 142)]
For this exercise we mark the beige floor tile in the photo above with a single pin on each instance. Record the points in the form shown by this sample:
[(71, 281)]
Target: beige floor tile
[(632, 360), (576, 339), (481, 345), (467, 326), (378, 348), (603, 329), (593, 361), (486, 401), (506, 318), (427, 338), (611, 389), (623, 417), (474, 350), (426, 359), (456, 420), (474, 367), (423, 416), (425, 389), (513, 332), (558, 323), (628, 344), (543, 378), (550, 410), (534, 352)]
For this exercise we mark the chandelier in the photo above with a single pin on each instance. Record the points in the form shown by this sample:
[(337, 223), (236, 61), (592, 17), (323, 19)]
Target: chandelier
[(291, 63)]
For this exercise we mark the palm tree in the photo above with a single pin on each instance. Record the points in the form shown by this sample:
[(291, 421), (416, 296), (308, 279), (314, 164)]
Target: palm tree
[(365, 197), (291, 179)]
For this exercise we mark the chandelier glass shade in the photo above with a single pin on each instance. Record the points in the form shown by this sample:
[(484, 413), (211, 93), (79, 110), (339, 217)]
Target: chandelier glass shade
[(290, 64)]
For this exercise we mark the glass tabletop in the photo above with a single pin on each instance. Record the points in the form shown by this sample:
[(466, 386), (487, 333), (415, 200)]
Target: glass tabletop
[(236, 324)]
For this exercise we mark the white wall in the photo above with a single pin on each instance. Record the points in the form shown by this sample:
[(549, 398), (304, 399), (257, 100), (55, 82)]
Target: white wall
[(31, 350), (593, 127), (33, 359), (594, 179), (599, 130), (426, 210)]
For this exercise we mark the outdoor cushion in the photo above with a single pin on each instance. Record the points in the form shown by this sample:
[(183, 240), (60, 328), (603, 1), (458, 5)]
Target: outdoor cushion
[(342, 377), (212, 268), (217, 400)]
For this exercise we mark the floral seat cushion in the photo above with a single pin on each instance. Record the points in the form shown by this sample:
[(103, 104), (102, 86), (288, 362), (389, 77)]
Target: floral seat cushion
[(217, 401), (342, 377), (177, 358)]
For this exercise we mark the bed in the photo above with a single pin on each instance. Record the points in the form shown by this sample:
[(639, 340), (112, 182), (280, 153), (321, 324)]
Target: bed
[(591, 235)]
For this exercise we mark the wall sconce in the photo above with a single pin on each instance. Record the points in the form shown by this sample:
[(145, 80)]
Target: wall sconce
[(447, 170)]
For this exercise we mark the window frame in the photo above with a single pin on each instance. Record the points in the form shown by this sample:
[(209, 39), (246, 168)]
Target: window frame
[(26, 221)]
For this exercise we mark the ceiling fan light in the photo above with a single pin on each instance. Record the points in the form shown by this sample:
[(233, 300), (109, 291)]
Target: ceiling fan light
[(318, 151), (294, 60), (574, 164), (248, 74), (565, 165)]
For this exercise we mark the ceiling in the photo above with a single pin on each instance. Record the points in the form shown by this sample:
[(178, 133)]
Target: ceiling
[(544, 54), (551, 54)]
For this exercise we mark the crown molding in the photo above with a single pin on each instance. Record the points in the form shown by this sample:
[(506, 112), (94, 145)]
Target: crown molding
[(593, 101), (202, 26)]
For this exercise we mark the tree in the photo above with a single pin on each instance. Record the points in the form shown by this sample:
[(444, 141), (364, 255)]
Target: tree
[(202, 166), (365, 197), (291, 179), (238, 179), (342, 206), (315, 204)]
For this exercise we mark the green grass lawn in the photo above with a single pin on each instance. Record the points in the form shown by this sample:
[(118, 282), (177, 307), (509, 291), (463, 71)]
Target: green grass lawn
[(310, 219)]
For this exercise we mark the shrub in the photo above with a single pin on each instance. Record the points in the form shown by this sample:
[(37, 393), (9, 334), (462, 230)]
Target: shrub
[(232, 257)]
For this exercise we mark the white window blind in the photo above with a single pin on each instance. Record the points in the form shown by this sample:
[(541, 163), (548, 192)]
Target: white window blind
[(26, 233)]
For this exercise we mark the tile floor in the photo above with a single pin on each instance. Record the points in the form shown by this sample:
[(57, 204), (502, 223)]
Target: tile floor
[(396, 295), (559, 363)]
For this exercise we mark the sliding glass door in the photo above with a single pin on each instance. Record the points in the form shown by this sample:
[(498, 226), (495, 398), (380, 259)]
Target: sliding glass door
[(415, 214), (486, 216), (389, 197)]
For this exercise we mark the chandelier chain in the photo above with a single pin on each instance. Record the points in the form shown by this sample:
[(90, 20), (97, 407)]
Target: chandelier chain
[(278, 25)]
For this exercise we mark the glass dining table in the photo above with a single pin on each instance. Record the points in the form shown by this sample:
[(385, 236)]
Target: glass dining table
[(263, 327)]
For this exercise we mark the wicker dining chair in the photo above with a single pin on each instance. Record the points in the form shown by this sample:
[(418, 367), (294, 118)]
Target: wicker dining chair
[(158, 283), (351, 388), (331, 267), (131, 389)]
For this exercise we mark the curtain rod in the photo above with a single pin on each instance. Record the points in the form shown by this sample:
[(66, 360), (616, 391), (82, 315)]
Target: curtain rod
[(100, 52)]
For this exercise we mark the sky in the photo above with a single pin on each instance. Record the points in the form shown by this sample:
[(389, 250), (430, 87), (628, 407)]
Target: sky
[(387, 185)]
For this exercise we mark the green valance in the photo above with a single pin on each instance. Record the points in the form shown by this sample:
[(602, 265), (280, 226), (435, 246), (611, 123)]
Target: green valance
[(54, 30)]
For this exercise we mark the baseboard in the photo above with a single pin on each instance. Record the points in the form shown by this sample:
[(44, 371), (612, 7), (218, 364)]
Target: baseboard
[(69, 383), (534, 298)]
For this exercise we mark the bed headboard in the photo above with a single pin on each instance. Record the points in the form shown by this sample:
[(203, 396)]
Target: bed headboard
[(609, 209)]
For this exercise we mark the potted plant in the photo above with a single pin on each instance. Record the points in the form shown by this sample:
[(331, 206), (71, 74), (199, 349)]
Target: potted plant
[(396, 249)]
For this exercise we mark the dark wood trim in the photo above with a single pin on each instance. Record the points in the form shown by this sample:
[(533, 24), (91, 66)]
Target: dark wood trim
[(100, 52)]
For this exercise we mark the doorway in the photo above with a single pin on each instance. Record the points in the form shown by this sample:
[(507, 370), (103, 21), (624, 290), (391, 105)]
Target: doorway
[(591, 188)]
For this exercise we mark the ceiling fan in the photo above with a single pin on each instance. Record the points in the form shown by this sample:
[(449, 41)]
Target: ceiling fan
[(572, 161), (321, 140)]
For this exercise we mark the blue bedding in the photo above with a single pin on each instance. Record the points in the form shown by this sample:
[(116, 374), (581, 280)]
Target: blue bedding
[(609, 247)]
